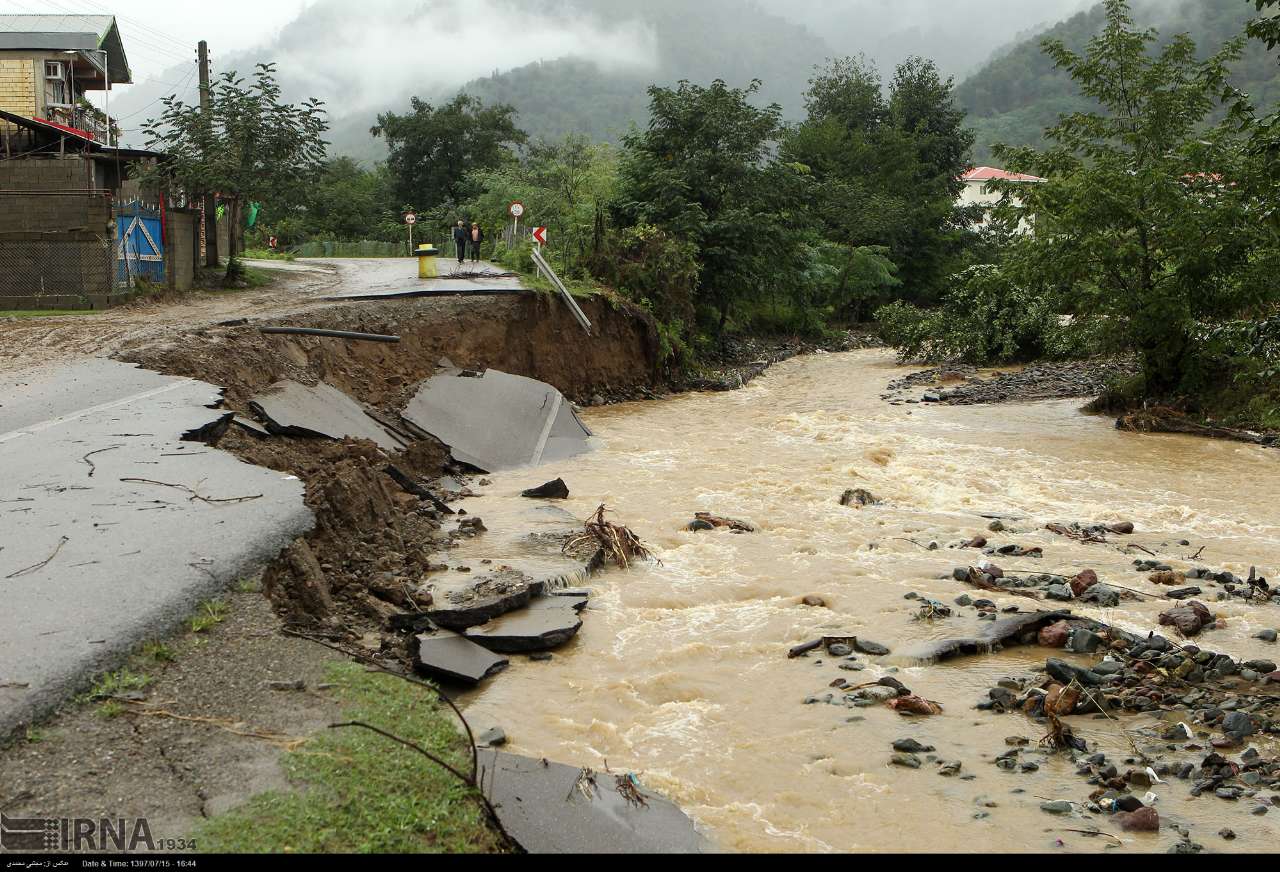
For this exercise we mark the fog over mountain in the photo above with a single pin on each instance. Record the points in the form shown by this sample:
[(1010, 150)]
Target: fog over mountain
[(585, 63)]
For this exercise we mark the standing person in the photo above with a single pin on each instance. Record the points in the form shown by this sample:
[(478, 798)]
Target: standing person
[(460, 241), (477, 237)]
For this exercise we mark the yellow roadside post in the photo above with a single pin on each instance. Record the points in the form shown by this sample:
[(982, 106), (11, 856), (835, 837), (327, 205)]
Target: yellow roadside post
[(427, 267)]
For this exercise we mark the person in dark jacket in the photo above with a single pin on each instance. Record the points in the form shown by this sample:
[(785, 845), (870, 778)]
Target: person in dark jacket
[(477, 238), (460, 240)]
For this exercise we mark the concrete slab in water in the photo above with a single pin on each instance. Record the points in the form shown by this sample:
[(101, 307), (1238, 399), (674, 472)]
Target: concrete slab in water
[(577, 601), (544, 808), (447, 655), (523, 632), (499, 421), (298, 410)]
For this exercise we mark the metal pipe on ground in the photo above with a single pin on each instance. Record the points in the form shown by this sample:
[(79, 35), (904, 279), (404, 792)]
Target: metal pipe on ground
[(332, 334)]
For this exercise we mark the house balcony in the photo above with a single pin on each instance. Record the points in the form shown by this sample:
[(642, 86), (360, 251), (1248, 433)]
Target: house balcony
[(82, 120)]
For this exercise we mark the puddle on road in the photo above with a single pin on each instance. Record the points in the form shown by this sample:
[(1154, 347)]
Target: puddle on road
[(680, 671)]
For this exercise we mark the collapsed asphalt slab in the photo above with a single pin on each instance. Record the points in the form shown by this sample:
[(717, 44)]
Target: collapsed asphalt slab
[(498, 421), (447, 655), (288, 408), (112, 530), (550, 808)]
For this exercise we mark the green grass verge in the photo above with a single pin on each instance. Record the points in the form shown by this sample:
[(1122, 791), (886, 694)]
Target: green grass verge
[(43, 313), (361, 793)]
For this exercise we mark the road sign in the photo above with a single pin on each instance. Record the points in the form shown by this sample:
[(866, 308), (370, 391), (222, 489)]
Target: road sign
[(540, 235), (410, 218), (517, 210)]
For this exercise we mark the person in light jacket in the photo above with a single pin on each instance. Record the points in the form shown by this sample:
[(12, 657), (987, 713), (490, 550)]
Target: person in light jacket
[(460, 236), (477, 239)]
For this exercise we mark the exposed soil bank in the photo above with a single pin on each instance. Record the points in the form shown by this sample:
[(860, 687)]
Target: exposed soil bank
[(533, 335)]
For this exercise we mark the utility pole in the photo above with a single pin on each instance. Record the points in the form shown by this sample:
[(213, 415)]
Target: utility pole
[(210, 202)]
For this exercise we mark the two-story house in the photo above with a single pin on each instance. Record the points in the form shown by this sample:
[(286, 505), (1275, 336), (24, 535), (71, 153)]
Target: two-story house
[(49, 63)]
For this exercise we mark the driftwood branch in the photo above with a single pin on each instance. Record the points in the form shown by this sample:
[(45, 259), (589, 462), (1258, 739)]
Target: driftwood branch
[(42, 564)]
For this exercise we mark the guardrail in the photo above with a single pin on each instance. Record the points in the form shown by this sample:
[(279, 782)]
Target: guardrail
[(550, 275)]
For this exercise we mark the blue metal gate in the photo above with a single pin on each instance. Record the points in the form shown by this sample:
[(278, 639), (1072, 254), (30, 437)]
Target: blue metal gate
[(139, 245)]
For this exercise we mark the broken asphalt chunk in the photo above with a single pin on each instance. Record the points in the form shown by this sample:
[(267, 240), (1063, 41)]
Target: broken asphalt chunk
[(447, 655), (498, 421), (288, 408), (523, 632), (550, 808)]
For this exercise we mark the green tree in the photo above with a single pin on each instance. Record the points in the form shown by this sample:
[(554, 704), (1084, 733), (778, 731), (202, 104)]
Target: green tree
[(700, 174), (886, 169), (249, 147), (432, 149), (1150, 225)]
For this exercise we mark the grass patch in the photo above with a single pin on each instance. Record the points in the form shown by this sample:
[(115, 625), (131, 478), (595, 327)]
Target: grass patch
[(158, 652), (248, 585), (363, 793), (113, 684), (208, 616), (267, 254), (43, 313)]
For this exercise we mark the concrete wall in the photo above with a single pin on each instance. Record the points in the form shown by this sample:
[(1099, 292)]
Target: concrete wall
[(56, 251), (182, 248), (47, 174)]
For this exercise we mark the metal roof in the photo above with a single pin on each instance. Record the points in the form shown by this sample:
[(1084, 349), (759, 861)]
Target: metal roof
[(81, 139), (67, 33), (991, 174)]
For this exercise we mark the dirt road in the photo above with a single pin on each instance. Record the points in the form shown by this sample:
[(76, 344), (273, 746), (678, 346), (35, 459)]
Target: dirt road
[(299, 287)]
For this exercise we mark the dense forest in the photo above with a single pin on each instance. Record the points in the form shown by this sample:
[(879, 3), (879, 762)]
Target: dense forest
[(1016, 96)]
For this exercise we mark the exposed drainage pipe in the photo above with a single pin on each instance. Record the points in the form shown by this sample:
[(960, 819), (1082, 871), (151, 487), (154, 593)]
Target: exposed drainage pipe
[(333, 334)]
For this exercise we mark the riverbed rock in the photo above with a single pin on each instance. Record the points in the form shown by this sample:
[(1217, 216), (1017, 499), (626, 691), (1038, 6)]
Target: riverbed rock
[(1261, 666), (871, 649), (859, 497), (911, 746), (494, 737), (1144, 820), (1190, 619), (1059, 593), (1083, 582), (1055, 635), (552, 490), (1267, 636), (1057, 806), (1102, 596), (908, 761)]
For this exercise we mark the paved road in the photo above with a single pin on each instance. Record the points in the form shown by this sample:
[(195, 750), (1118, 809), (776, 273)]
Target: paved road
[(92, 565)]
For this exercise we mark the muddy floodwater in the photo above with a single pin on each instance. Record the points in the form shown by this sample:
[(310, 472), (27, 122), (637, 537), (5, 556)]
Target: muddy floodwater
[(680, 673)]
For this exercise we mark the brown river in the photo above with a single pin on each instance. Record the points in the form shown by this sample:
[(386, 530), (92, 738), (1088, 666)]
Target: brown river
[(680, 673)]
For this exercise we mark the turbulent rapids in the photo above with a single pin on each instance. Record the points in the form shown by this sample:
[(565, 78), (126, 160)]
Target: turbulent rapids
[(681, 672)]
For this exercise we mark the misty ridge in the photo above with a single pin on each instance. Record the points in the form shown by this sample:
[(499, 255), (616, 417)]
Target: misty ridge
[(584, 64)]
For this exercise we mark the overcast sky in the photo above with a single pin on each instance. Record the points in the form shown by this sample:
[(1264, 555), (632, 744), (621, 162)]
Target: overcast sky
[(161, 33)]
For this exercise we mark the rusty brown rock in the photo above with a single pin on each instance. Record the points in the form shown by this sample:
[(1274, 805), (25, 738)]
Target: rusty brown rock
[(1055, 635), (1144, 820), (1082, 582)]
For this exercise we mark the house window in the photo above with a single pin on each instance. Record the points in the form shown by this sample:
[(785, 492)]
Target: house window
[(56, 92)]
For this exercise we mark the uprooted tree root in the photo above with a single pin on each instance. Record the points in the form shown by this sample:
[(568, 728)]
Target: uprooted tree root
[(615, 542)]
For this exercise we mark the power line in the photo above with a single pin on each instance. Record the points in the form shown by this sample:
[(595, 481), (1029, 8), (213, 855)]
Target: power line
[(146, 43)]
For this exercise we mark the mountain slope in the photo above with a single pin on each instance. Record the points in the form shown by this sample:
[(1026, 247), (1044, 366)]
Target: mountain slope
[(1020, 93)]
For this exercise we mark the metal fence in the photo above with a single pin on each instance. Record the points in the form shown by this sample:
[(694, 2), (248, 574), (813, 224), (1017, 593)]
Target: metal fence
[(67, 270), (352, 249)]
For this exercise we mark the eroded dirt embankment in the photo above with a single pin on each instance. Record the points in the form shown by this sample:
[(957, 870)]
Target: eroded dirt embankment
[(374, 545)]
